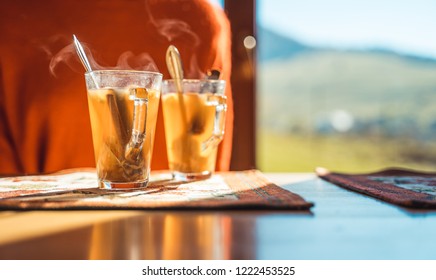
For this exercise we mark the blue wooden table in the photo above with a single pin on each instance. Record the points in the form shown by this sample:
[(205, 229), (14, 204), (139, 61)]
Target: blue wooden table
[(342, 225)]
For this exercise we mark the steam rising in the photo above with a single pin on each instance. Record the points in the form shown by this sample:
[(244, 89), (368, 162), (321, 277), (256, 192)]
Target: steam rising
[(142, 61), (126, 61), (170, 29), (175, 29), (64, 55)]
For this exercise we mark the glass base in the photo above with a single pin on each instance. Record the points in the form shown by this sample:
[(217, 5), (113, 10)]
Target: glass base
[(181, 176), (122, 185)]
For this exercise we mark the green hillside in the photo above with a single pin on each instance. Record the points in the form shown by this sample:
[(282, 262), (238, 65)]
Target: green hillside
[(304, 152), (387, 97)]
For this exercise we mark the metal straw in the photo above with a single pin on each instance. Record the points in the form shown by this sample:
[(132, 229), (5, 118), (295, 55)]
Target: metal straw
[(174, 64), (82, 55)]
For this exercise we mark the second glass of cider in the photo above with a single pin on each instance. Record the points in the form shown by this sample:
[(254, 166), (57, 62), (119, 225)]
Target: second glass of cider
[(194, 126)]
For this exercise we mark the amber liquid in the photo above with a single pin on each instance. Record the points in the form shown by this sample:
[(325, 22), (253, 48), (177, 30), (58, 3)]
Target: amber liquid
[(111, 112), (188, 130)]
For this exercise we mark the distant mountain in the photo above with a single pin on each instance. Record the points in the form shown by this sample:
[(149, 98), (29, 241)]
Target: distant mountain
[(383, 92), (402, 55), (275, 46)]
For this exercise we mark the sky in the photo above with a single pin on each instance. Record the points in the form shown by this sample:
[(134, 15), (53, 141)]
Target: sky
[(405, 26)]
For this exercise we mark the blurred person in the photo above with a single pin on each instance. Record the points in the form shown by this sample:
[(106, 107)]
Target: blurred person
[(44, 119)]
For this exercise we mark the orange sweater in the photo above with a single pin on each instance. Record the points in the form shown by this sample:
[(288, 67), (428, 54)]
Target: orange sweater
[(44, 120)]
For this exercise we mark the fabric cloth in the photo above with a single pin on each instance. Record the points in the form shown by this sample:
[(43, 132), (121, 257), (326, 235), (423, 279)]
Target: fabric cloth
[(407, 188), (44, 120), (77, 190)]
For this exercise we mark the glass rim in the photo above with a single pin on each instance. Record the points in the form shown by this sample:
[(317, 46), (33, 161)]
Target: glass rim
[(121, 71), (192, 81)]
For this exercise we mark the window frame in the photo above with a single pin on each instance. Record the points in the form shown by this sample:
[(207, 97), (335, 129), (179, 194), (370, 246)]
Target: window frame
[(242, 16)]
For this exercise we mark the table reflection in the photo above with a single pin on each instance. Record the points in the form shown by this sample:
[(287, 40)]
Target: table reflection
[(170, 236), (154, 235)]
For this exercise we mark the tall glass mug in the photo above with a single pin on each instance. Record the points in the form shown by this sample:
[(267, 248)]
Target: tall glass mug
[(123, 108), (194, 126)]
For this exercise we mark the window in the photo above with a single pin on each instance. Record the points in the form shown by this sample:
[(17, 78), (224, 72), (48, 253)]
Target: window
[(347, 85)]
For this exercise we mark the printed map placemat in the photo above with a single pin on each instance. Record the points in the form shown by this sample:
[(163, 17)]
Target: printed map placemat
[(402, 187), (76, 189)]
